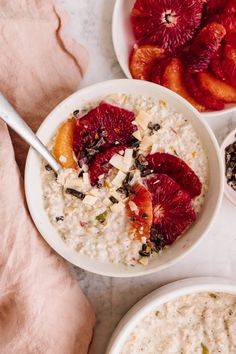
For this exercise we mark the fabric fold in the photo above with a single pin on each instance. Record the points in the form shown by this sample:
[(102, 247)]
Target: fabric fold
[(40, 63), (42, 309)]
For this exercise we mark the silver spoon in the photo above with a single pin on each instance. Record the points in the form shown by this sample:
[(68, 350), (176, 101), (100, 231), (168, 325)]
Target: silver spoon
[(9, 115)]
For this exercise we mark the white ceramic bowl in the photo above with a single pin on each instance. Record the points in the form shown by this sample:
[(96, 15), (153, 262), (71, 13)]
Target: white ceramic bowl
[(160, 296), (123, 41), (229, 139), (179, 248)]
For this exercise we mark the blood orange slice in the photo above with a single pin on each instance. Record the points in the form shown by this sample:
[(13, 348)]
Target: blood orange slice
[(219, 89), (167, 23), (200, 95), (204, 47), (100, 164), (142, 59), (178, 170), (102, 127), (173, 79), (229, 60), (139, 211), (172, 209)]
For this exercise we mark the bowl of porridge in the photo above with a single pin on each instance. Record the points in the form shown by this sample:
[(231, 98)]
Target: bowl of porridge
[(195, 315), (141, 178)]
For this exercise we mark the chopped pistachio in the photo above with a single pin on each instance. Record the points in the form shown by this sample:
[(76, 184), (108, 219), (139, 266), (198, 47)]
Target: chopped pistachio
[(101, 217), (204, 349)]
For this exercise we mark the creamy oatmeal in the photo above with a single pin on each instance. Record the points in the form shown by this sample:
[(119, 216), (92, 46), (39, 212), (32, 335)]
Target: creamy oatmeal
[(93, 219), (203, 323)]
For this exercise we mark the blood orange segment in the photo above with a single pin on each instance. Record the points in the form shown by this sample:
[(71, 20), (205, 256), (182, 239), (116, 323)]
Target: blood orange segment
[(62, 149), (172, 209), (230, 7), (139, 211), (158, 69), (173, 79), (204, 47), (229, 61), (100, 164), (200, 95), (142, 59), (166, 23), (211, 7), (216, 64), (178, 170), (102, 127), (219, 89), (228, 20)]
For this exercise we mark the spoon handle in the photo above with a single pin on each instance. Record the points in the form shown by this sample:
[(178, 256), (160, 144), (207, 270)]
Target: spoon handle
[(9, 115)]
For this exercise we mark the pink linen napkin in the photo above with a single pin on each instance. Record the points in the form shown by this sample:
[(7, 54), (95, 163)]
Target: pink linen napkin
[(39, 63), (42, 309)]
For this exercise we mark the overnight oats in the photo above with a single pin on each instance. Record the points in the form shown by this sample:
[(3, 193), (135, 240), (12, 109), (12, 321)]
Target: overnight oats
[(134, 177), (201, 323)]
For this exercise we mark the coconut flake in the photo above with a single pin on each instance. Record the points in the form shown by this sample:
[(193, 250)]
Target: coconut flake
[(128, 158), (137, 135), (142, 119), (119, 178), (118, 162), (95, 192), (106, 201), (86, 179), (90, 200), (146, 143)]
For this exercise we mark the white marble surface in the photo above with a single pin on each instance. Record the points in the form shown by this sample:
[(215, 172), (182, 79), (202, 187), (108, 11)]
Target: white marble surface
[(215, 255)]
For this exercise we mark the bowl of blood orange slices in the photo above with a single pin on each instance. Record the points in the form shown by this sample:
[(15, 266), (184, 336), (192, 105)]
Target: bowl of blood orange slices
[(187, 46), (141, 178)]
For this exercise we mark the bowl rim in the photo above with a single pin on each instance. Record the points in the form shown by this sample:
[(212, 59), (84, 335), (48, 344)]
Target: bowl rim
[(162, 295), (222, 149), (127, 73), (113, 31), (108, 272)]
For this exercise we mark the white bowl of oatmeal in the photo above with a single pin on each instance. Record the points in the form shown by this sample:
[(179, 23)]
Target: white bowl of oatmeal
[(89, 225), (195, 315)]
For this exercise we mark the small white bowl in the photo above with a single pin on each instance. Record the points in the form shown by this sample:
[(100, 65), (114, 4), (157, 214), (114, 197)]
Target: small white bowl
[(123, 42), (160, 296), (182, 246), (229, 139)]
